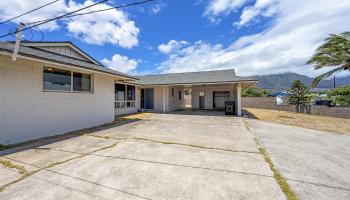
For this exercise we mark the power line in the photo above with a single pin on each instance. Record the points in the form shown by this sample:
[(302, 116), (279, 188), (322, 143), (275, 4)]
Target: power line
[(101, 10), (52, 19), (70, 14), (29, 12)]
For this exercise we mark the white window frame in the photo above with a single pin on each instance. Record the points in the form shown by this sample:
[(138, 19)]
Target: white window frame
[(71, 82)]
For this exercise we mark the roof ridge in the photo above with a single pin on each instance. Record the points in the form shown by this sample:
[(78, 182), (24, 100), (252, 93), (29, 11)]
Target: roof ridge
[(220, 70)]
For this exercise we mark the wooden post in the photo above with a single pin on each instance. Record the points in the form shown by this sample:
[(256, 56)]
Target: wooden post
[(18, 40)]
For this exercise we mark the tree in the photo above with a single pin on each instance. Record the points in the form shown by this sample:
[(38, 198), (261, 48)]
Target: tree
[(255, 92), (335, 52), (340, 96), (298, 95)]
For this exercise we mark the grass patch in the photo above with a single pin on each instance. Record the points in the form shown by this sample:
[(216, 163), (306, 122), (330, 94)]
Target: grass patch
[(22, 170), (279, 178), (9, 164), (2, 147), (315, 122)]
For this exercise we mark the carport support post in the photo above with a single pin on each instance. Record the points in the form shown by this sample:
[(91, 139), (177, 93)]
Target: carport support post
[(164, 99), (238, 99)]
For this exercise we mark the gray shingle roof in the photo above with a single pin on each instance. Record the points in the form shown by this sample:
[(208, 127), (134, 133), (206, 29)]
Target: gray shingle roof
[(219, 76), (58, 58)]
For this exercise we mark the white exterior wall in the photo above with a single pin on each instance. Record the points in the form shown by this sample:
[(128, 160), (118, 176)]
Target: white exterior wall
[(174, 102), (158, 98), (171, 102), (208, 94), (27, 113)]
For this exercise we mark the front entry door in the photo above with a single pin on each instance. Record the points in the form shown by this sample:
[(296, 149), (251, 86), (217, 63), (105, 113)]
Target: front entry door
[(201, 100), (147, 98)]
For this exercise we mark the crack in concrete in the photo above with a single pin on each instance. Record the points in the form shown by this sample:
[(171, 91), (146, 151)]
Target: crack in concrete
[(163, 163), (28, 174), (173, 143)]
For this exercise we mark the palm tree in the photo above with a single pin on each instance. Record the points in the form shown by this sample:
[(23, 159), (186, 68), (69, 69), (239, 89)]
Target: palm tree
[(335, 52)]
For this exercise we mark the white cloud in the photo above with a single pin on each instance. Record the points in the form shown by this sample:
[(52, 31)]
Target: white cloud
[(109, 27), (158, 7), (121, 63), (265, 8), (216, 8), (12, 8), (172, 46), (298, 29)]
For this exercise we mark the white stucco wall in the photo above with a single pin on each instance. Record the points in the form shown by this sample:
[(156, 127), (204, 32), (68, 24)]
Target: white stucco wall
[(159, 98), (171, 102), (174, 101), (208, 94), (27, 113)]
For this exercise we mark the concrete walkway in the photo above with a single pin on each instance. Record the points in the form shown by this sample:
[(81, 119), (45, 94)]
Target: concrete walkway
[(162, 156), (316, 164)]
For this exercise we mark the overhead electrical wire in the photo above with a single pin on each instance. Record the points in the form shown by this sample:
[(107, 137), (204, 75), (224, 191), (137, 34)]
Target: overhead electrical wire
[(70, 14), (18, 16), (101, 10), (55, 18)]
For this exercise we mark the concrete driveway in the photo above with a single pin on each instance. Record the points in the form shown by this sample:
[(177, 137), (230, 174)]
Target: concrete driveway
[(161, 156), (315, 164)]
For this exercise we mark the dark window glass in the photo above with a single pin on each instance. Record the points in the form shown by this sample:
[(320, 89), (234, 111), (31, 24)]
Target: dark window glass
[(131, 92), (179, 95), (56, 79), (172, 92), (81, 82), (119, 92)]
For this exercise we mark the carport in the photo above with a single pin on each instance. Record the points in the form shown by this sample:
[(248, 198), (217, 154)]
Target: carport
[(192, 90)]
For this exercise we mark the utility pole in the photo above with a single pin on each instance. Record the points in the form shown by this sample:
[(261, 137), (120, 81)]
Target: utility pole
[(18, 41)]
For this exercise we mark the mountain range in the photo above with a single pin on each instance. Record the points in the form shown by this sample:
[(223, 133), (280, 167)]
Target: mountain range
[(278, 82)]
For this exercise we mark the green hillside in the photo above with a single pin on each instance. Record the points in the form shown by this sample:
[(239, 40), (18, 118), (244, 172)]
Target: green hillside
[(284, 81)]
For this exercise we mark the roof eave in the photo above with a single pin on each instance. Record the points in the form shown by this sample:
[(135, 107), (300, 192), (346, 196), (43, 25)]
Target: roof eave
[(40, 59), (198, 83)]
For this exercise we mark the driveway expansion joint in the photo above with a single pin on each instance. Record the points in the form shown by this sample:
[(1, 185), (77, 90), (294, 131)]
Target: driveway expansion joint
[(286, 189), (28, 174), (175, 143)]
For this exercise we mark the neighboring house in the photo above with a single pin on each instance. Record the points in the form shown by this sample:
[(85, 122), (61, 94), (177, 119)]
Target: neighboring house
[(55, 87), (278, 94)]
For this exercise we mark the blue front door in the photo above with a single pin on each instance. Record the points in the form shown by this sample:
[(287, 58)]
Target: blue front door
[(147, 98)]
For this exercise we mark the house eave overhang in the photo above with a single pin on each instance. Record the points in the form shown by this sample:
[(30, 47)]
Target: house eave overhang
[(49, 61)]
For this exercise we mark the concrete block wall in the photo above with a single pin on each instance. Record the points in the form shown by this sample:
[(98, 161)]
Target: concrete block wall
[(270, 103), (27, 112)]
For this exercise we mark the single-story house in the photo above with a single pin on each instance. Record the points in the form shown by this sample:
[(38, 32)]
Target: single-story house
[(55, 87)]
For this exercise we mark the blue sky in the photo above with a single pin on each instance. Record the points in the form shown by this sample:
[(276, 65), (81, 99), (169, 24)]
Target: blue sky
[(252, 36)]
